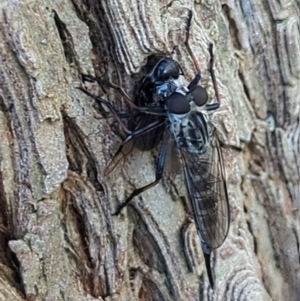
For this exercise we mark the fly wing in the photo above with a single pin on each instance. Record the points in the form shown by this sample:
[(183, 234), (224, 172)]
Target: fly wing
[(123, 151), (147, 132), (150, 139), (206, 187)]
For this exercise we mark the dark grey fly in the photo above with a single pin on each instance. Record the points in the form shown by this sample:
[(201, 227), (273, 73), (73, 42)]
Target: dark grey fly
[(180, 115)]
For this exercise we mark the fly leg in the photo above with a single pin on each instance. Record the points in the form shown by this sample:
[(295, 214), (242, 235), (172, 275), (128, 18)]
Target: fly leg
[(152, 111), (158, 111), (160, 163), (119, 90), (197, 77), (212, 72), (110, 107), (122, 152)]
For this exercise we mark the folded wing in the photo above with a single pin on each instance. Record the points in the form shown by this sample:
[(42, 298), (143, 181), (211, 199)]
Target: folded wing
[(206, 188)]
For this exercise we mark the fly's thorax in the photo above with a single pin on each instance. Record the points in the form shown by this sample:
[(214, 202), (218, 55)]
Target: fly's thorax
[(192, 130), (197, 132), (175, 125)]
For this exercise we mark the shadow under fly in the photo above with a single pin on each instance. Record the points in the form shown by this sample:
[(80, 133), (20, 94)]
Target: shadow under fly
[(178, 115)]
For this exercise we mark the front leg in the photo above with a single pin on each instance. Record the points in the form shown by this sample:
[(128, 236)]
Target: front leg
[(160, 164)]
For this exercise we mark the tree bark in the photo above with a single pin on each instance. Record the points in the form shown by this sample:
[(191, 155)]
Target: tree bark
[(59, 240)]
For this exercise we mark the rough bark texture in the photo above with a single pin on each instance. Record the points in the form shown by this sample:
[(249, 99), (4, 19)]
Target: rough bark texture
[(58, 239)]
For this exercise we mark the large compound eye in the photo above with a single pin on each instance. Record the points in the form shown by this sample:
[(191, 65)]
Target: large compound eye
[(178, 104), (200, 95)]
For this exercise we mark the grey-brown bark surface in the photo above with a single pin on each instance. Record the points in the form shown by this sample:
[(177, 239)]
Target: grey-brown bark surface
[(58, 239)]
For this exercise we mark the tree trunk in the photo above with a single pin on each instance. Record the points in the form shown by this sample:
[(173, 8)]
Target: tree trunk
[(59, 240)]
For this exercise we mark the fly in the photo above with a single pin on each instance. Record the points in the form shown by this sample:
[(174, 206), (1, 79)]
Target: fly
[(179, 114)]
